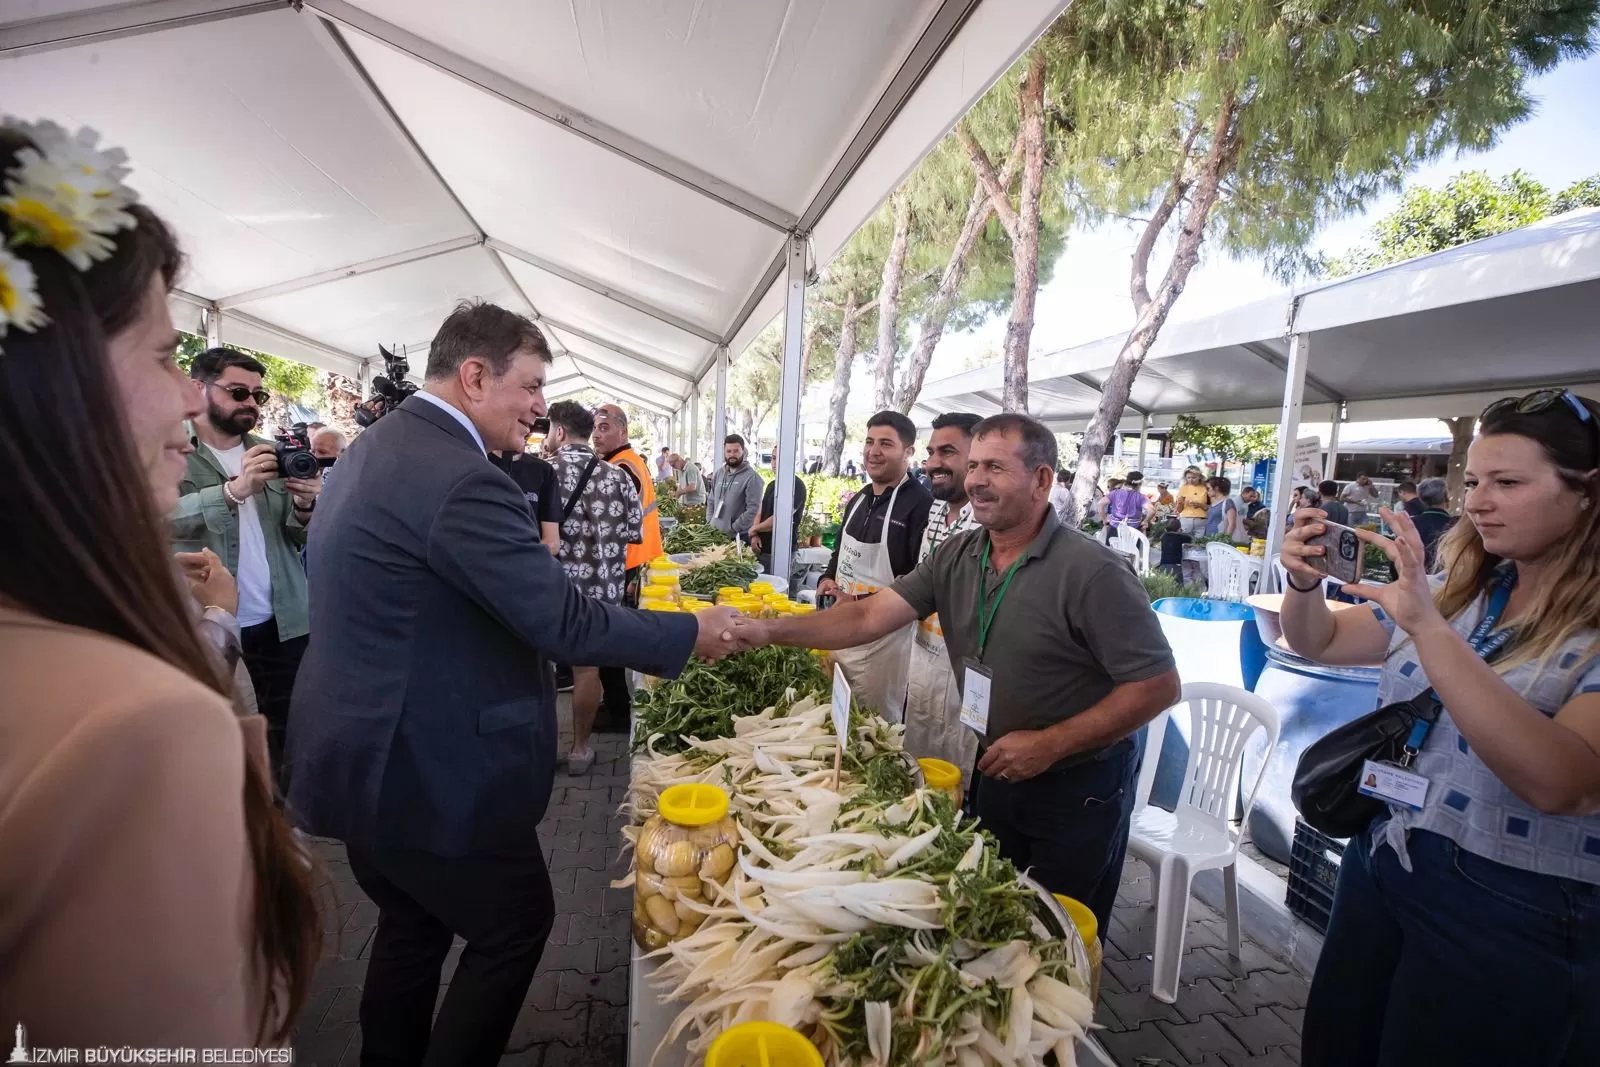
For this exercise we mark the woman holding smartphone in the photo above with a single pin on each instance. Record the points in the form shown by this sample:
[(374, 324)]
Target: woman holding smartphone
[(1466, 922)]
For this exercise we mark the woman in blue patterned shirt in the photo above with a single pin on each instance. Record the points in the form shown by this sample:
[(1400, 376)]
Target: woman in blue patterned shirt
[(1466, 931)]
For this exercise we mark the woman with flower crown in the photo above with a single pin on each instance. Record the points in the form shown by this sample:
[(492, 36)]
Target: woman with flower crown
[(150, 893)]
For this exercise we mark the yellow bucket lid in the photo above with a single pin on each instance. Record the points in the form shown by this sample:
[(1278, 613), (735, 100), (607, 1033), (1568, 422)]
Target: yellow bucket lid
[(761, 587), (762, 1044), (940, 774), (692, 804), (1088, 926), (803, 609)]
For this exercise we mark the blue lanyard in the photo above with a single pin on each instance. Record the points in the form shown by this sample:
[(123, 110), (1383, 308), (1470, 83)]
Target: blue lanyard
[(1484, 641)]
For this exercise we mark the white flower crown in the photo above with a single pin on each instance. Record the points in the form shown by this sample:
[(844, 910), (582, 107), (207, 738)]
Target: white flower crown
[(64, 194)]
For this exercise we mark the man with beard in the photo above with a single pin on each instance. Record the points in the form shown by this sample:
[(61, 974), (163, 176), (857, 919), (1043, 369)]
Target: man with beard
[(880, 541), (933, 700), (234, 503), (1059, 658)]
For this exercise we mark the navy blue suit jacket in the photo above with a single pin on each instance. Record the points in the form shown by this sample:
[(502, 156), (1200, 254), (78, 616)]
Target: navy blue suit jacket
[(424, 712)]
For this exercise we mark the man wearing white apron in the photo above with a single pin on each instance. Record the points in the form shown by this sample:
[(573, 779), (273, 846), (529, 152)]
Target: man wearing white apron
[(881, 539), (933, 699)]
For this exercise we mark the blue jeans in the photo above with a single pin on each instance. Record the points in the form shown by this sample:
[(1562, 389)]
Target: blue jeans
[(1069, 827), (1463, 961)]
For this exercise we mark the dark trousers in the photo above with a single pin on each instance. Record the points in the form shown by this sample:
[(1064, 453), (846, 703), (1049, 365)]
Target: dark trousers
[(1460, 961), (272, 665), (1068, 827), (616, 699), (502, 906)]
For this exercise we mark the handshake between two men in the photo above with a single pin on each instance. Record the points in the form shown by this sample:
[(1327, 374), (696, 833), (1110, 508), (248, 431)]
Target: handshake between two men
[(724, 631)]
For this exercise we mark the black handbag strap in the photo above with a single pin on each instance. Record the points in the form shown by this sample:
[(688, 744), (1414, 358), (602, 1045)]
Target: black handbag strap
[(583, 483), (1485, 642)]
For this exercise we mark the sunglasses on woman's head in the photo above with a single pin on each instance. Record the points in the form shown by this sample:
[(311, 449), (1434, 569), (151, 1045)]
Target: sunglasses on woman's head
[(241, 393), (1542, 400)]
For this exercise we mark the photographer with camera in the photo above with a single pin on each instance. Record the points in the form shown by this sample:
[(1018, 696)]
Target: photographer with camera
[(235, 501)]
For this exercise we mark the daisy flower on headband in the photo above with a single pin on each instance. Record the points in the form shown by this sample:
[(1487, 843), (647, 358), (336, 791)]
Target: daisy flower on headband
[(67, 194), (19, 294)]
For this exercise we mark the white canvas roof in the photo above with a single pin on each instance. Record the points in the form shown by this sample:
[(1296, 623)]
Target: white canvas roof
[(1439, 335), (341, 173)]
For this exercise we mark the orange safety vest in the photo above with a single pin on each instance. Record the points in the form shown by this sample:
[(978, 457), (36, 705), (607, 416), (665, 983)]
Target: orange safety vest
[(650, 547)]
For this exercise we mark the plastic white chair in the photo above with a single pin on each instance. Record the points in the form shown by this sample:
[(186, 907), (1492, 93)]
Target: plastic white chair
[(1134, 543), (1203, 833), (1225, 577)]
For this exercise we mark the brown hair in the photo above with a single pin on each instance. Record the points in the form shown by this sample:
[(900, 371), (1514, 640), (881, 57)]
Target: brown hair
[(97, 557), (1569, 604), (489, 332)]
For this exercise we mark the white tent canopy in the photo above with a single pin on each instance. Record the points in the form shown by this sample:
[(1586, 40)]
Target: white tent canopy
[(1439, 335), (341, 174), (648, 179)]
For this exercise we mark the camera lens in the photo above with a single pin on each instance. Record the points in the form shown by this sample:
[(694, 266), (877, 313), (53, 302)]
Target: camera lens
[(299, 464)]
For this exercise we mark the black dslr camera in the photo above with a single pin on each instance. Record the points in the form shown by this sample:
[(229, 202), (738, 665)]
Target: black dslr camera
[(387, 390), (295, 458)]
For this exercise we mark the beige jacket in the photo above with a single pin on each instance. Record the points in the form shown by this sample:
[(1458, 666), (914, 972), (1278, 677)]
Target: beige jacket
[(125, 876)]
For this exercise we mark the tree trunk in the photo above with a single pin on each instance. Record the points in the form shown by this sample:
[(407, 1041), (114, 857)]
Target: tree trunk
[(1456, 473), (1025, 247), (1153, 310), (844, 359), (931, 329), (894, 273)]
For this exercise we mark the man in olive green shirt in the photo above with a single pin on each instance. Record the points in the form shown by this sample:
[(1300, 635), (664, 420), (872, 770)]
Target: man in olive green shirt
[(234, 502), (1069, 661)]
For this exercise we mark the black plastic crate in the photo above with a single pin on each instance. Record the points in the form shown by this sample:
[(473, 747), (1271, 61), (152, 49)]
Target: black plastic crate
[(1313, 871)]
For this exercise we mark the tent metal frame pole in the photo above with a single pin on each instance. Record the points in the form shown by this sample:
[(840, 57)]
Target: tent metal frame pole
[(594, 371), (211, 318), (694, 419), (554, 112), (1144, 439), (719, 414), (96, 26), (1294, 394), (794, 314), (1331, 464)]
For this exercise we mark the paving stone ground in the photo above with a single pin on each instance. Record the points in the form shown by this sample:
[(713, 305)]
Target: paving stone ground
[(1244, 1013)]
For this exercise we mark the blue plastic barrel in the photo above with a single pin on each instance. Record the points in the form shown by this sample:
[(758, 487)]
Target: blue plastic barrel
[(1212, 641), (1311, 699)]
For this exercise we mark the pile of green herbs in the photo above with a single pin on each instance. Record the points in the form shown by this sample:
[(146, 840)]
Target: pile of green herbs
[(706, 580), (703, 701), (690, 536)]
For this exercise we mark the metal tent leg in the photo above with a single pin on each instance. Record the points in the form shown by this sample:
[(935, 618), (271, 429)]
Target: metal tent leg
[(783, 531), (1294, 391)]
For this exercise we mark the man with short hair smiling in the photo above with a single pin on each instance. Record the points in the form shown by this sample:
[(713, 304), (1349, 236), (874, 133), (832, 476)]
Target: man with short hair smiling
[(933, 700), (424, 727), (735, 498), (880, 541), (1058, 654), (234, 501)]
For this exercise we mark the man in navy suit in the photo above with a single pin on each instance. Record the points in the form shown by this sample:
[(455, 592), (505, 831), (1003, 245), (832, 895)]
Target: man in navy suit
[(424, 729)]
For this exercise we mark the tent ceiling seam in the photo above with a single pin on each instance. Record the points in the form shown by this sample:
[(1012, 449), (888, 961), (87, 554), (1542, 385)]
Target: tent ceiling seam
[(353, 270), (600, 288), (96, 25), (1090, 383), (596, 367), (553, 111), (1267, 355)]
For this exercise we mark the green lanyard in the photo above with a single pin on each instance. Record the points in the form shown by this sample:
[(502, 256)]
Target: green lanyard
[(986, 610)]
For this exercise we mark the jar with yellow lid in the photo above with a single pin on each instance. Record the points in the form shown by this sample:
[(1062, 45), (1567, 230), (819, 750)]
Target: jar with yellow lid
[(762, 1044), (943, 776), (684, 853), (761, 588), (1088, 929)]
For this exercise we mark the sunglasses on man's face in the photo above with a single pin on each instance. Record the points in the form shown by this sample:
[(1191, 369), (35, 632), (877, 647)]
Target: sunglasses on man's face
[(241, 393)]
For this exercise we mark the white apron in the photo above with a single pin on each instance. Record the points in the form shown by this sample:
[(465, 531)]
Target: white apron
[(876, 670), (933, 699)]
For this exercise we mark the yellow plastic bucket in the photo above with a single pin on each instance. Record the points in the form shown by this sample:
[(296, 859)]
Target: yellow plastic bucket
[(762, 1044)]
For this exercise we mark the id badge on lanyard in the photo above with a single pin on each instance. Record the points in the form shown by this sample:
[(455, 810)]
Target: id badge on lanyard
[(1396, 783), (978, 679)]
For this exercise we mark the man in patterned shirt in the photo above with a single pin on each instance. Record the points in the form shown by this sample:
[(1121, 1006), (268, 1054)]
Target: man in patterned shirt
[(601, 517), (933, 700)]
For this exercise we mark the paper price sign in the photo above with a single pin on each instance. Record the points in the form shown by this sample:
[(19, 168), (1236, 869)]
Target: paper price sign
[(841, 706)]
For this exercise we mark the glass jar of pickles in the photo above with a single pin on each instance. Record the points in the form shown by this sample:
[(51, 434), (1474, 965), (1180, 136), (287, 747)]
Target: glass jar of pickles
[(685, 851)]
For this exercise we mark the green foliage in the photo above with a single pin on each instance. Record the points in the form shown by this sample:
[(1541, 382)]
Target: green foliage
[(1314, 107), (1159, 585), (825, 494), (1469, 207), (1225, 442)]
